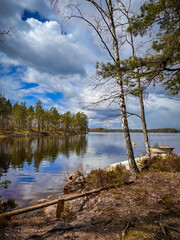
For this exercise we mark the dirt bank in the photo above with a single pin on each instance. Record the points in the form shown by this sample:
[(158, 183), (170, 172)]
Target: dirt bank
[(149, 208)]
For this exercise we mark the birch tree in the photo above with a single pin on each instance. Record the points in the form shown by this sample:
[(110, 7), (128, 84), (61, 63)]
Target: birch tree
[(135, 84), (104, 20)]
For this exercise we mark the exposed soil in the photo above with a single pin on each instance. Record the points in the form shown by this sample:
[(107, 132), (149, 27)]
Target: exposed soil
[(149, 208)]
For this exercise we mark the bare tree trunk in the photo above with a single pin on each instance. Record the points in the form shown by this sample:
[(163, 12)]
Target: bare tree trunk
[(107, 16), (143, 119), (146, 141), (125, 127), (38, 125)]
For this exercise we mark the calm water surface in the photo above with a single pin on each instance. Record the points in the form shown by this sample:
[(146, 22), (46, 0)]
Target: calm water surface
[(37, 167)]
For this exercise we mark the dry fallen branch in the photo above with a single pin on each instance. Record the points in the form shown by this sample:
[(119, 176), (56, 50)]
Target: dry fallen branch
[(63, 198), (163, 230), (125, 230)]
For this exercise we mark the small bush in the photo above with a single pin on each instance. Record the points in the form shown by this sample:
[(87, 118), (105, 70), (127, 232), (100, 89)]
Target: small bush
[(7, 205), (168, 163), (101, 178)]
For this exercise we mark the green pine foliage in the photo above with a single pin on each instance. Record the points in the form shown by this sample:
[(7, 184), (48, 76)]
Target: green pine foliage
[(19, 118), (162, 65), (5, 111)]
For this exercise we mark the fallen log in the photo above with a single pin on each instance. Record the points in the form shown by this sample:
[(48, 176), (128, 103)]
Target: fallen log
[(59, 200)]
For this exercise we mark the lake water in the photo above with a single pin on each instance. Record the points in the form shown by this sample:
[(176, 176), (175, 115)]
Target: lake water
[(38, 166)]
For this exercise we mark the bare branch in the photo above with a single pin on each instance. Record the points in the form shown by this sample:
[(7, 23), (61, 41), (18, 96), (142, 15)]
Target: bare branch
[(5, 32), (94, 27)]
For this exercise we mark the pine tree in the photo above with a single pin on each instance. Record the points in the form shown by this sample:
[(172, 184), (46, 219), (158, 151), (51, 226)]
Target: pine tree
[(30, 117), (38, 114), (162, 64), (54, 117)]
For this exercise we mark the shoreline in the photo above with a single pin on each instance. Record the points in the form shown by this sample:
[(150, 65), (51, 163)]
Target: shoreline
[(105, 215), (126, 163), (11, 135), (45, 134)]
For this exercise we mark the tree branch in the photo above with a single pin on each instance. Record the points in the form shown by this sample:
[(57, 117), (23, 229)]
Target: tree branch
[(92, 25)]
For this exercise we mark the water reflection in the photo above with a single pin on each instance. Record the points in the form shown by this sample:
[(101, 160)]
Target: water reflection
[(36, 166), (15, 153)]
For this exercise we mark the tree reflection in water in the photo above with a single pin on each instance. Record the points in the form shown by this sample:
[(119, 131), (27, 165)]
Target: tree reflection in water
[(15, 152)]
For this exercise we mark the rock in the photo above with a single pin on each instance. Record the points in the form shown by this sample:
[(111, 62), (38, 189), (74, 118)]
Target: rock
[(75, 182), (80, 179), (43, 200), (74, 175), (73, 186), (130, 180)]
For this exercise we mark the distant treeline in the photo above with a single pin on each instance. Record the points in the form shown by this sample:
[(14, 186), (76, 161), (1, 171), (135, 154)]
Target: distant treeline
[(156, 130), (18, 117)]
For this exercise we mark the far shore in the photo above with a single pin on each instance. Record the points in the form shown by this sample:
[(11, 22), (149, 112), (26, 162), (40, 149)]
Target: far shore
[(17, 134), (155, 130), (36, 134)]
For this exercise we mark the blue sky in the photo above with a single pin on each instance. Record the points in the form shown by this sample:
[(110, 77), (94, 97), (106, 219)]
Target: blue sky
[(53, 61)]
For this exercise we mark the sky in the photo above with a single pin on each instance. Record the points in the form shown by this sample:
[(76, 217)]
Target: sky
[(52, 60)]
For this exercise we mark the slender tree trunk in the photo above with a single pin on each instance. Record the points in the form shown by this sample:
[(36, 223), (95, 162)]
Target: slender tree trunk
[(38, 125), (125, 127), (30, 125), (1, 122), (143, 119)]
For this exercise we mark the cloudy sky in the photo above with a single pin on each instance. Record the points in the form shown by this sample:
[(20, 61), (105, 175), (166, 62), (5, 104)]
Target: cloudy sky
[(53, 61)]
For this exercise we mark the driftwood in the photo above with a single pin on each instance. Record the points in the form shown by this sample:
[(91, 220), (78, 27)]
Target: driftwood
[(60, 201)]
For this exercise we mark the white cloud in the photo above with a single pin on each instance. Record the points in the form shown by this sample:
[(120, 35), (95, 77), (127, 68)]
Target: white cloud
[(59, 62)]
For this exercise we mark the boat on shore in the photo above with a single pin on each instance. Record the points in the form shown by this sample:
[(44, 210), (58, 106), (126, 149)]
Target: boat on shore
[(161, 149), (155, 151)]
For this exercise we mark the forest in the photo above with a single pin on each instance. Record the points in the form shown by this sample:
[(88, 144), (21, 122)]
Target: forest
[(19, 117), (156, 130)]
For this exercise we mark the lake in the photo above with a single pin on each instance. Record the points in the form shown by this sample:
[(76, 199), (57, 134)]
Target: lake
[(38, 167)]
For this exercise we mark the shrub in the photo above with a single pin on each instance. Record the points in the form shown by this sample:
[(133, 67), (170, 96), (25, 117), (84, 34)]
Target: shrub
[(8, 204), (101, 178), (168, 163)]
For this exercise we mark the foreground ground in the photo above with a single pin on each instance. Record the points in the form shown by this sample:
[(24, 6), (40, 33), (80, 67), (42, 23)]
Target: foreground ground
[(148, 208)]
